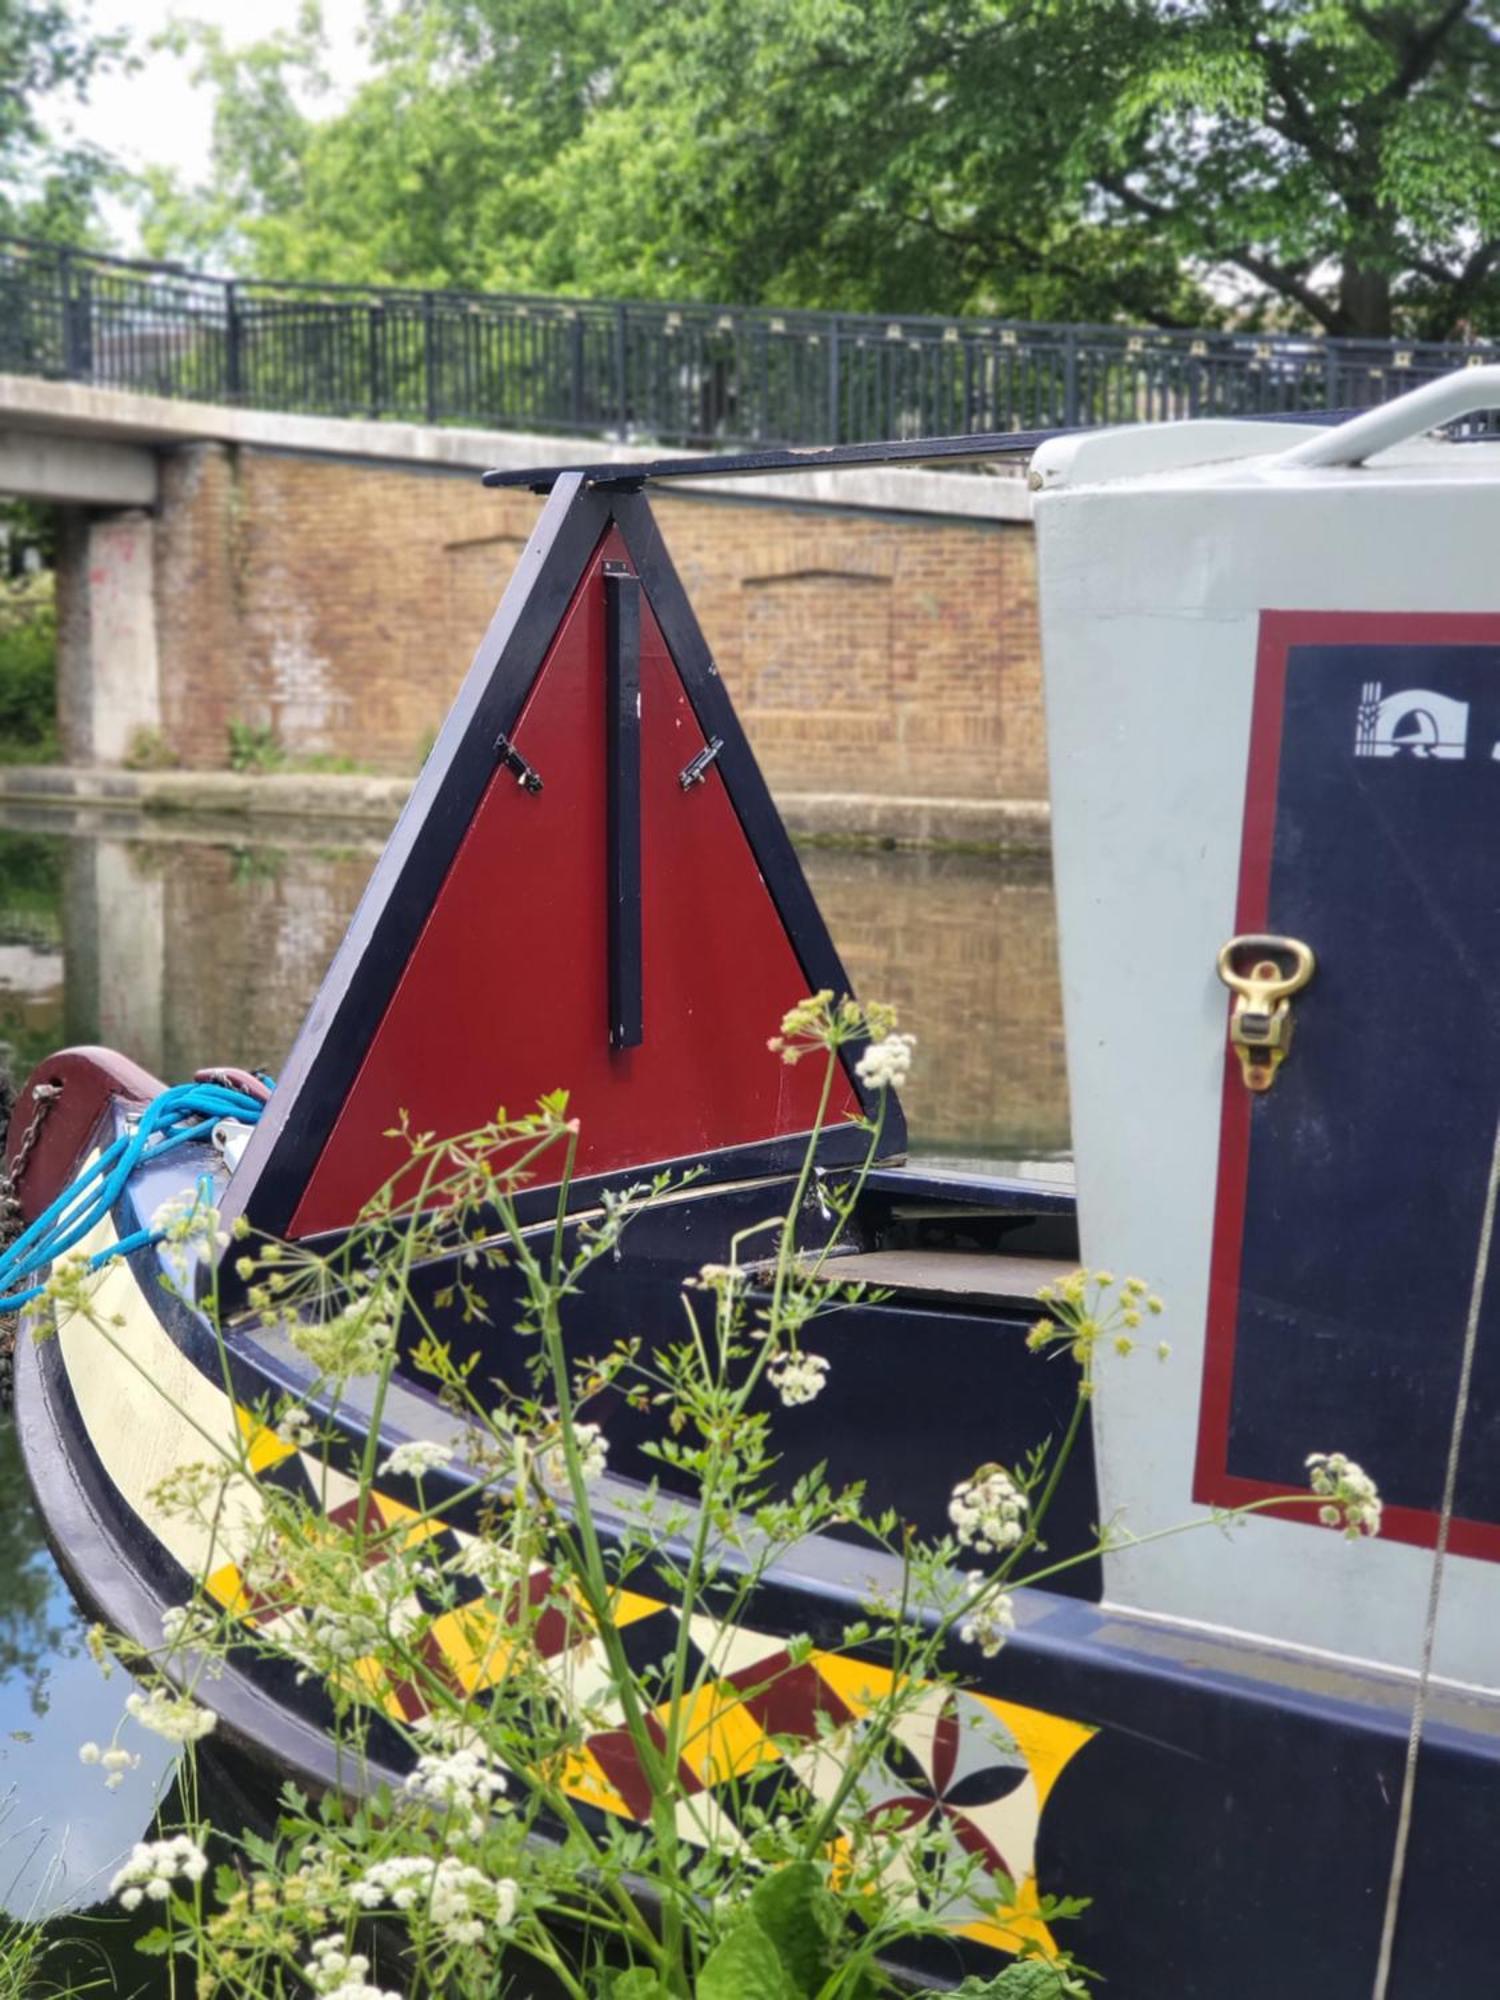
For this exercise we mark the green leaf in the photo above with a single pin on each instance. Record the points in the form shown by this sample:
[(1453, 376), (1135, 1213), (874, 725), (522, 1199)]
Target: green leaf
[(745, 1965), (799, 1916), (639, 1983), (1027, 1979)]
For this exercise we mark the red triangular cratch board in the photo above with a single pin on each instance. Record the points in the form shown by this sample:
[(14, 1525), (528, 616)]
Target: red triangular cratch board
[(558, 908)]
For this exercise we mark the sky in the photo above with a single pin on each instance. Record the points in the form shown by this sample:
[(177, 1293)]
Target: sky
[(158, 116)]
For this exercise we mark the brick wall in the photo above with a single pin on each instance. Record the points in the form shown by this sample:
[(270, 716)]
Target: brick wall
[(339, 605)]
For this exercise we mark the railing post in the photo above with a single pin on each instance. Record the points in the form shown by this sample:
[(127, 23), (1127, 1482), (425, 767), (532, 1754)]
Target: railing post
[(835, 415), (377, 357), (620, 388), (234, 383), (1070, 377), (77, 306), (575, 368), (430, 356)]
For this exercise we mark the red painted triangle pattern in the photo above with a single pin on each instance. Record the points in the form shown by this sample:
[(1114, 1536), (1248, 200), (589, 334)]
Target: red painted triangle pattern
[(506, 994)]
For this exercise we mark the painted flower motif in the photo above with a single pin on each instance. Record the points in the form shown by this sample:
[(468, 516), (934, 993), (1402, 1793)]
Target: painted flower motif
[(953, 1773), (1354, 1503)]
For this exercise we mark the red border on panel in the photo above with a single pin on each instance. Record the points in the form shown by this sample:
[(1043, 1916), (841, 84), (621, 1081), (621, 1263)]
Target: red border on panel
[(1213, 1483)]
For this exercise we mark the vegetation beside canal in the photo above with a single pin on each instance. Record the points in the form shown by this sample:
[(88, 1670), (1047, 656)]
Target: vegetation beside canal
[(28, 670)]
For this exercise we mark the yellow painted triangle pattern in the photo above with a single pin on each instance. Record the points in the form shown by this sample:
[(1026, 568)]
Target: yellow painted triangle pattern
[(721, 1743)]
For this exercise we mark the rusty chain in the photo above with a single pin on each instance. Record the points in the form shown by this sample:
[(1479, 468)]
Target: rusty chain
[(12, 1220)]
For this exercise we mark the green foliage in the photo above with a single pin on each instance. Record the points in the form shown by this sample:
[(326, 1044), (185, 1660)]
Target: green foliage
[(745, 1965), (150, 751), (716, 1882), (639, 1983), (255, 747), (794, 1909), (46, 49), (28, 672), (1329, 162), (1029, 1979)]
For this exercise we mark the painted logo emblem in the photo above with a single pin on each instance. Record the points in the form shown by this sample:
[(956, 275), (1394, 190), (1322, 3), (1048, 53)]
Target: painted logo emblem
[(1413, 722)]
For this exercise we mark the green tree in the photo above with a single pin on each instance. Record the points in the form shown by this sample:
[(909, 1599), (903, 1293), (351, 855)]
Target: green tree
[(46, 48), (1324, 163)]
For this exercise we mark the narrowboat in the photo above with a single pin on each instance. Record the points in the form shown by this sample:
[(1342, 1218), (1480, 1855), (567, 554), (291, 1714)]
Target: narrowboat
[(1270, 1759)]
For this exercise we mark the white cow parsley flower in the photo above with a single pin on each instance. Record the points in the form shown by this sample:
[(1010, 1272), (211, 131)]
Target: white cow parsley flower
[(153, 1867), (416, 1458), (465, 1783), (886, 1064), (988, 1511), (1354, 1502), (593, 1450), (339, 1974), (991, 1620), (797, 1377), (190, 1236), (461, 1901), (357, 1341), (174, 1716)]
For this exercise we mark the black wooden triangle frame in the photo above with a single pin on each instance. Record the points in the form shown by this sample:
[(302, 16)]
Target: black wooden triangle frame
[(350, 1004)]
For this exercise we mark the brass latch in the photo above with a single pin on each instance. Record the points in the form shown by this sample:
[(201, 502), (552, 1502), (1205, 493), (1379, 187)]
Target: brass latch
[(1260, 1028)]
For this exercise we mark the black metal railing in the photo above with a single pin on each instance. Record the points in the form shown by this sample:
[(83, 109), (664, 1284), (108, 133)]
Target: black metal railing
[(679, 374)]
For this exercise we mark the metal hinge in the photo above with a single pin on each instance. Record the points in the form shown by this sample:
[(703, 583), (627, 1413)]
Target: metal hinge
[(527, 776), (695, 772)]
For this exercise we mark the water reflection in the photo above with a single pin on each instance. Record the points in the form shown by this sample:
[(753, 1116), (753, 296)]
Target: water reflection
[(62, 1834), (192, 947)]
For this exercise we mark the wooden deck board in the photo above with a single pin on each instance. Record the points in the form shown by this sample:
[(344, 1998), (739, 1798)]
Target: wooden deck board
[(954, 1273)]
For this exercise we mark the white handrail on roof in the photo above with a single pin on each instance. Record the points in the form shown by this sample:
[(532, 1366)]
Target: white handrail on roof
[(1464, 393)]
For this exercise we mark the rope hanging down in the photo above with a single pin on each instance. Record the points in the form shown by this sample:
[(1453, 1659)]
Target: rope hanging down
[(187, 1111)]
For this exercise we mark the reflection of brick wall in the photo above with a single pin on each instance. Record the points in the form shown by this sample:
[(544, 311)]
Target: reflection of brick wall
[(967, 949), (339, 605), (184, 952)]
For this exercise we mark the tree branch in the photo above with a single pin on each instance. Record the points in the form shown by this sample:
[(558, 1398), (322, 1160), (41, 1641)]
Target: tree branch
[(1286, 279), (1422, 50)]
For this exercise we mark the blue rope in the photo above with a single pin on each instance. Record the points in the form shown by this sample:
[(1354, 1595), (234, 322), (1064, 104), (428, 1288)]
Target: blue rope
[(187, 1111)]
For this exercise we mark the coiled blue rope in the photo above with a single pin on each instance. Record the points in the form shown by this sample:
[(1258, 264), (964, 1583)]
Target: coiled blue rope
[(187, 1111)]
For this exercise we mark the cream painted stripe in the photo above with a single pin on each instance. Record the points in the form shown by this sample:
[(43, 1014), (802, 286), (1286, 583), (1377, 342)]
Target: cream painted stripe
[(149, 1412)]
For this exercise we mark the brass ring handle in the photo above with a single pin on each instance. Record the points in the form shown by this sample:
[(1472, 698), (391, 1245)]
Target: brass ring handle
[(1266, 978), (1260, 1023)]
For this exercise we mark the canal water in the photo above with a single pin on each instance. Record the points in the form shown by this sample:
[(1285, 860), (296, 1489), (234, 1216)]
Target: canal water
[(184, 944)]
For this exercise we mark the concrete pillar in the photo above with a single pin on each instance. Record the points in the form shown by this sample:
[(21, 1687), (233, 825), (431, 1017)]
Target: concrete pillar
[(108, 667)]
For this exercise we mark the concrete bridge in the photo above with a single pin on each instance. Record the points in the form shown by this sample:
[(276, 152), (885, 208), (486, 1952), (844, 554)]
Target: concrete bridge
[(326, 580)]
